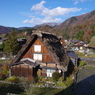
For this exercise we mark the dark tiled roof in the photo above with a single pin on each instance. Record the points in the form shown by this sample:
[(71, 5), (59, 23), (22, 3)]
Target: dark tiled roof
[(75, 41), (72, 54), (81, 44)]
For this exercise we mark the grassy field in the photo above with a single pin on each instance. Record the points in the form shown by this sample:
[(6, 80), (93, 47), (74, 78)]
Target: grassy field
[(83, 55), (7, 88), (49, 91), (10, 88)]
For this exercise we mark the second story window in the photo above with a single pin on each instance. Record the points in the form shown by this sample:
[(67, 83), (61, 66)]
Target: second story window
[(37, 57), (37, 48)]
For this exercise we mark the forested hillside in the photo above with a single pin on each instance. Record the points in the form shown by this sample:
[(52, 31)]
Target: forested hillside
[(80, 27), (4, 29)]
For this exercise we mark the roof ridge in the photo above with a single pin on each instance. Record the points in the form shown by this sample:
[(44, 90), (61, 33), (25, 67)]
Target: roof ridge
[(41, 32), (28, 59)]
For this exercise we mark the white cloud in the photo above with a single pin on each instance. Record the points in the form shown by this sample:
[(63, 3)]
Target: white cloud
[(49, 15), (77, 1), (59, 11), (36, 21), (38, 6)]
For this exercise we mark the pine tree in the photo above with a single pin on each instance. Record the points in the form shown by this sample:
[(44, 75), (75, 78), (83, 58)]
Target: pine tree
[(11, 45)]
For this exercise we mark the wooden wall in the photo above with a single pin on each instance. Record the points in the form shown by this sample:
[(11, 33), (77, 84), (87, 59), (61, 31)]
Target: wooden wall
[(49, 65), (46, 57), (44, 73), (22, 70)]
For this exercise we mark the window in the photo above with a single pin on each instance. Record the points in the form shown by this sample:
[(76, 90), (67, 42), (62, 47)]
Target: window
[(50, 72), (37, 56), (37, 48)]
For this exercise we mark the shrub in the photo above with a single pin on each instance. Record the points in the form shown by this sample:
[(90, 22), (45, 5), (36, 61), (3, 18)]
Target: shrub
[(30, 78), (61, 82), (13, 79), (69, 80), (48, 79), (82, 63), (61, 79), (3, 76), (38, 79), (56, 76), (5, 67)]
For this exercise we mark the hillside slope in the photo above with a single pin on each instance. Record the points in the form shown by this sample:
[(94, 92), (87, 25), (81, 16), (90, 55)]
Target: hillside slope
[(71, 27), (4, 29)]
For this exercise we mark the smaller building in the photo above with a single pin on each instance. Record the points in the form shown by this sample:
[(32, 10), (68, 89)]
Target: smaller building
[(74, 62), (78, 45), (73, 58), (21, 41)]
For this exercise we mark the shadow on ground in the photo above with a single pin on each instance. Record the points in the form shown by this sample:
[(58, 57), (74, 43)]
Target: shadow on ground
[(85, 87), (67, 91)]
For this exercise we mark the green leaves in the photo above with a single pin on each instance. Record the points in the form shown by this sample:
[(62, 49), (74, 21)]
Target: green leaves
[(56, 76), (11, 45), (66, 36)]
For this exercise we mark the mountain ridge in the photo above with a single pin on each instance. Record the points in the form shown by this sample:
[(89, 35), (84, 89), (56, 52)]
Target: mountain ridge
[(4, 29), (75, 24), (80, 27)]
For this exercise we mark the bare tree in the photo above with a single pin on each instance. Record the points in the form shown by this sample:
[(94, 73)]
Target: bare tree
[(27, 86)]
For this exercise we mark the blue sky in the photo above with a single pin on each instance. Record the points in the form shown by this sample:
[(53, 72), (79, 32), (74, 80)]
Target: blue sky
[(28, 13)]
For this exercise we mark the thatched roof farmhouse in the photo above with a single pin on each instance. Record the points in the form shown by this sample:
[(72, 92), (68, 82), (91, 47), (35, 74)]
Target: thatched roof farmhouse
[(42, 51)]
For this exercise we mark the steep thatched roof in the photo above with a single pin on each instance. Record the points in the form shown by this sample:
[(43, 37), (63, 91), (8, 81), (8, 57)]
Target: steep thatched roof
[(92, 42), (53, 45)]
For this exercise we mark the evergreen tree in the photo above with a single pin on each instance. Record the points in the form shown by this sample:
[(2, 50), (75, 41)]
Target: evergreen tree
[(11, 45)]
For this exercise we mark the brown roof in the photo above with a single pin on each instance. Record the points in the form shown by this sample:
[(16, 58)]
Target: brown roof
[(53, 45)]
